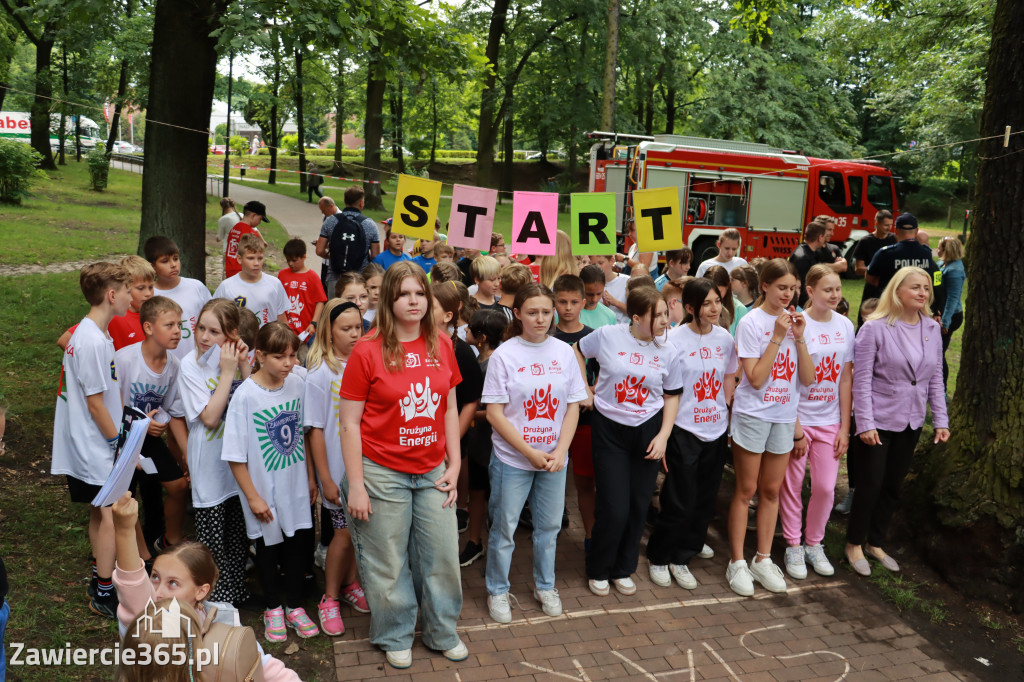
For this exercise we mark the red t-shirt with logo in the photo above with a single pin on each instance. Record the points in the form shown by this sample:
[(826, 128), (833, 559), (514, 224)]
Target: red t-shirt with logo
[(705, 360), (231, 264), (635, 375), (124, 330), (304, 291), (403, 417), (775, 402)]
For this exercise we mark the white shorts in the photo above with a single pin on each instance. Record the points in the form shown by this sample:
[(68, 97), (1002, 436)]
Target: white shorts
[(754, 435)]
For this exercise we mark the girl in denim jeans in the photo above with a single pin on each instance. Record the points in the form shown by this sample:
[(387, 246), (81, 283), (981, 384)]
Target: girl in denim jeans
[(532, 390), (400, 443)]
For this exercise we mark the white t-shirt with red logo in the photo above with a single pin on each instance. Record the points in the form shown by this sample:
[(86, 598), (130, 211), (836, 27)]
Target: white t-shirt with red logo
[(831, 347), (265, 297), (403, 417), (635, 375), (191, 295), (535, 382), (777, 399), (705, 360)]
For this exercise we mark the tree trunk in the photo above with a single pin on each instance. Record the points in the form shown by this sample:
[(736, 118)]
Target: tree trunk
[(611, 58), (339, 108), (508, 153), (487, 127), (44, 95), (182, 69), (275, 128), (376, 84), (122, 87), (299, 56), (974, 481), (433, 119), (670, 111), (63, 108)]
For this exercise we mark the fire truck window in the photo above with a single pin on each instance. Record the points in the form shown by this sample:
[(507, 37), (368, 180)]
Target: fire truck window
[(880, 191), (832, 190), (856, 190)]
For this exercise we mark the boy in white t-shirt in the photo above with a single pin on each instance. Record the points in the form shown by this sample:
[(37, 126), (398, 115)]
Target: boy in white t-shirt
[(614, 286), (149, 382), (88, 417), (728, 246), (191, 294), (251, 288)]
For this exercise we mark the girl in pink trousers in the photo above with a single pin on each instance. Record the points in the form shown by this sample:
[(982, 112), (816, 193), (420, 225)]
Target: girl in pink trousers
[(823, 425)]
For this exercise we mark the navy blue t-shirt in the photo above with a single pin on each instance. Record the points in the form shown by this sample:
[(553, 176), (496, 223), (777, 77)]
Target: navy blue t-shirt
[(908, 253)]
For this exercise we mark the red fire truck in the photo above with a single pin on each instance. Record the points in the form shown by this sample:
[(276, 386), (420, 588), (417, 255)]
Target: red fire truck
[(766, 193)]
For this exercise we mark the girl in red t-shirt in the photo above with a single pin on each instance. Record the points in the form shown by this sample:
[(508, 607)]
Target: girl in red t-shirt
[(400, 443)]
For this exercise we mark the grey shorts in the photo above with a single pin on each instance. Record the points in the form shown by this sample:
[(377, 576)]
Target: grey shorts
[(754, 435)]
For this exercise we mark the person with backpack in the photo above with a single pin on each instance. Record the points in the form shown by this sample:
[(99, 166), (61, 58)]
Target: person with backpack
[(348, 239)]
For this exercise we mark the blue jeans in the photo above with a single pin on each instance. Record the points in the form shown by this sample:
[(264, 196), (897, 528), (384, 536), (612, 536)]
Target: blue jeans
[(407, 523), (5, 613), (510, 488)]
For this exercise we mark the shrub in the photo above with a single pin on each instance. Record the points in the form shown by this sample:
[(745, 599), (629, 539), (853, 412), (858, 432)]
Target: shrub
[(99, 167), (290, 143), (18, 167), (239, 145)]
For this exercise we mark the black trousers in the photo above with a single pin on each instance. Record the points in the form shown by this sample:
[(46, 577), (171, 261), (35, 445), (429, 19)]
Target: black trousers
[(291, 556), (687, 497), (954, 324), (880, 473), (310, 190), (624, 483)]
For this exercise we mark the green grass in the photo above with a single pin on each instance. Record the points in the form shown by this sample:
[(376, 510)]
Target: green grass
[(64, 220)]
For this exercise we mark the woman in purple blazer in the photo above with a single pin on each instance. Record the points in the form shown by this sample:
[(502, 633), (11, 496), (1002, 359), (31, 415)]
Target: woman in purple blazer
[(897, 372)]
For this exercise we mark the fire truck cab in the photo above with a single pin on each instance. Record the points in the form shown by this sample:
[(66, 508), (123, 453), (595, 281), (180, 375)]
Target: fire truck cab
[(766, 193)]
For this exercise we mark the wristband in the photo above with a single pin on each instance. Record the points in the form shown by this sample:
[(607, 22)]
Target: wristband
[(802, 436), (800, 341), (112, 442), (777, 343)]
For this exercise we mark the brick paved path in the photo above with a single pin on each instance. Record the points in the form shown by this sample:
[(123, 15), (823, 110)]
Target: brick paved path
[(823, 629)]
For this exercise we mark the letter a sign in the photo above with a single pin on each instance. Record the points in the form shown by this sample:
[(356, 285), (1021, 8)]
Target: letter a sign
[(416, 203), (534, 223)]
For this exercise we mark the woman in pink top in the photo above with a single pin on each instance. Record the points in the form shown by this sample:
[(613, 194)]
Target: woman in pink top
[(897, 374)]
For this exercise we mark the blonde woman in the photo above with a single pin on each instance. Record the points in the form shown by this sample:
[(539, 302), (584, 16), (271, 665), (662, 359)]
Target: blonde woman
[(897, 374), (562, 263), (951, 262)]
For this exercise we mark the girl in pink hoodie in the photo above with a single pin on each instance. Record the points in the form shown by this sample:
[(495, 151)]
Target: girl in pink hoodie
[(185, 571)]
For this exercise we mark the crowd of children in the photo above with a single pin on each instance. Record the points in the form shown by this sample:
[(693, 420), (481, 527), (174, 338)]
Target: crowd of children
[(450, 389)]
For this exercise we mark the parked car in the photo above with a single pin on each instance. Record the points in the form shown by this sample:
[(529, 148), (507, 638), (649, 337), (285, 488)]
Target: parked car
[(122, 147), (218, 149)]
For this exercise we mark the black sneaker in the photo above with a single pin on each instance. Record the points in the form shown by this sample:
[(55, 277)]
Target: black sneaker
[(565, 518), (462, 517), (471, 553), (161, 545), (91, 590), (106, 607)]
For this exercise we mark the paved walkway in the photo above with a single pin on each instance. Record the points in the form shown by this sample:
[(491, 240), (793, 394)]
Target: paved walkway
[(823, 629)]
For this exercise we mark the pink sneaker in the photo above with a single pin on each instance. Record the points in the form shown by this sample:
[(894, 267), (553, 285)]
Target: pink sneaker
[(354, 596), (330, 617), (273, 622), (300, 622)]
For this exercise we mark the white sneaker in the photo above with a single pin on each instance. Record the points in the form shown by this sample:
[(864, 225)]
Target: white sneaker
[(320, 557), (400, 659), (598, 587), (625, 586), (683, 576), (769, 575), (740, 579), (707, 553), (660, 576), (457, 653), (500, 609), (549, 602), (796, 565), (818, 560)]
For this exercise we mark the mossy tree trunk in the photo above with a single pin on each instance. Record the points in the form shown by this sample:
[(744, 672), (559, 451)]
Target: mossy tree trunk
[(974, 483)]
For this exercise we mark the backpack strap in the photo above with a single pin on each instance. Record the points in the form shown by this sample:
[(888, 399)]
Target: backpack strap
[(211, 615)]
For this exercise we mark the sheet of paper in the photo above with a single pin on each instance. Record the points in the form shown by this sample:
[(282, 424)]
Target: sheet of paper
[(272, 534), (148, 465), (134, 425)]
